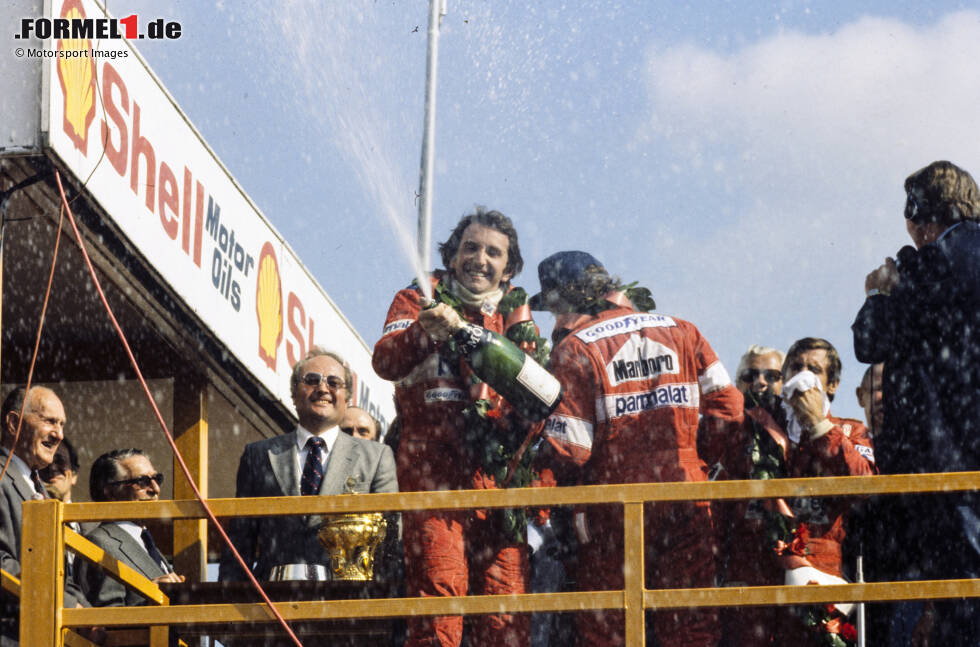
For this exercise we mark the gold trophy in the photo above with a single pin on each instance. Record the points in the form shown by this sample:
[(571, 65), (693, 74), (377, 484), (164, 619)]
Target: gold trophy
[(351, 541)]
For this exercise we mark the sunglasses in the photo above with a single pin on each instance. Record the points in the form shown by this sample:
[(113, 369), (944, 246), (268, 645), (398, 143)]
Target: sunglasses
[(142, 481), (771, 375), (316, 379)]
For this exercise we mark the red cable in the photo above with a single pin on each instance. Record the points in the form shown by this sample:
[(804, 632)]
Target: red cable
[(163, 425), (37, 343)]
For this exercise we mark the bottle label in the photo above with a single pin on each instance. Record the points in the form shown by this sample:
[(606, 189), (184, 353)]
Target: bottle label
[(539, 381)]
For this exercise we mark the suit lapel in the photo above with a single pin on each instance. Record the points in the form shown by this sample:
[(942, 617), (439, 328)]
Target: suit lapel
[(25, 490), (282, 456), (338, 465), (134, 551)]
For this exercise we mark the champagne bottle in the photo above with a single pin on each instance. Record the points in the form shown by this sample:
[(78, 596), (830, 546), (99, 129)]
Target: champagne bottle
[(525, 384)]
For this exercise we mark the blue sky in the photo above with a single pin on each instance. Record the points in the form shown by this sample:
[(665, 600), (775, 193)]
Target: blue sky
[(743, 160)]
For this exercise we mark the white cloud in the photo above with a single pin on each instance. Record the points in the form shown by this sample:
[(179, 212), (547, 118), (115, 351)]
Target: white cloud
[(872, 87), (804, 140)]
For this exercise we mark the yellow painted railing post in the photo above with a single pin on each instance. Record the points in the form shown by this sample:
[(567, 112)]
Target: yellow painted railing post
[(633, 572), (159, 636), (42, 563), (191, 423)]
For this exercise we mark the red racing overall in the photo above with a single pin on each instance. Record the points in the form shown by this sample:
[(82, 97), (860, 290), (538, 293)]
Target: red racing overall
[(635, 384), (445, 550)]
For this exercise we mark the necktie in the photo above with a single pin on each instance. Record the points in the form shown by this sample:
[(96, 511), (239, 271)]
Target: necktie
[(38, 486), (313, 469), (153, 551)]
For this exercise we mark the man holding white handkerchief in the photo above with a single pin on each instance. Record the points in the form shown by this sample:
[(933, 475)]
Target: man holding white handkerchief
[(820, 444)]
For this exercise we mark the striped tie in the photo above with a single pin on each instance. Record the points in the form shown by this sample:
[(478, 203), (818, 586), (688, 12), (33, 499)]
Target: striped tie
[(313, 470)]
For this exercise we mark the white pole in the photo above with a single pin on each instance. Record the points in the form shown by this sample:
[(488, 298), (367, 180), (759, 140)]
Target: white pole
[(861, 626), (437, 9)]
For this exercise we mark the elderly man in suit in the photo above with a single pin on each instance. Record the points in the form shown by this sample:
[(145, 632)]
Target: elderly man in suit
[(123, 475), (314, 458), (41, 419)]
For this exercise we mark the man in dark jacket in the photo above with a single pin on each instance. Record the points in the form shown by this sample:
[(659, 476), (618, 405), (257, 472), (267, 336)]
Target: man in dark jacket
[(922, 319)]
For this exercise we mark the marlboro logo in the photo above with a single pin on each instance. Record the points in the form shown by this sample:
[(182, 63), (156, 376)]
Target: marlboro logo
[(76, 73), (268, 305)]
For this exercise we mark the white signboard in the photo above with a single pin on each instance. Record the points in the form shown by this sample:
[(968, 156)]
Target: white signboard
[(112, 123)]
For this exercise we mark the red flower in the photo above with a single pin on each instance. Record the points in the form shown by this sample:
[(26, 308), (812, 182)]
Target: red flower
[(801, 537), (848, 632)]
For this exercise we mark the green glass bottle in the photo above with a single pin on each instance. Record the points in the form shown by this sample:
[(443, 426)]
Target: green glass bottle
[(525, 384)]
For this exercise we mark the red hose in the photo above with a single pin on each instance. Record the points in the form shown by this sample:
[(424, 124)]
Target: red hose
[(37, 342), (163, 425)]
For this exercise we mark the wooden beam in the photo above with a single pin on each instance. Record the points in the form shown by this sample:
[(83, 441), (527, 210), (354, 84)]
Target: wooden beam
[(190, 548), (633, 570), (531, 497), (42, 557), (115, 569)]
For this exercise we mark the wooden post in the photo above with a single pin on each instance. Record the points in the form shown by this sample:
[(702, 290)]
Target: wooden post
[(633, 574), (42, 571), (191, 427)]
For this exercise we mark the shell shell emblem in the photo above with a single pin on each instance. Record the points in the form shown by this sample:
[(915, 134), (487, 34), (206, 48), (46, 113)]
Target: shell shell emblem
[(268, 305), (77, 77)]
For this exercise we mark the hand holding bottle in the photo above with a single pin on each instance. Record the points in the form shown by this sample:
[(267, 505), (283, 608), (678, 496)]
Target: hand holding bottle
[(439, 321)]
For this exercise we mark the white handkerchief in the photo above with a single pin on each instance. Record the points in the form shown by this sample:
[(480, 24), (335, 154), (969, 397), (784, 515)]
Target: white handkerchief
[(799, 383), (805, 574)]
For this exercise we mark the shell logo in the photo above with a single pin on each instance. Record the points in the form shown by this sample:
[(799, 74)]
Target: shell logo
[(268, 305), (77, 77)]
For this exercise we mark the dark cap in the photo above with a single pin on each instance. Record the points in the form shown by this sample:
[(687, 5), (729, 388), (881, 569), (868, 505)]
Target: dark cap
[(562, 268)]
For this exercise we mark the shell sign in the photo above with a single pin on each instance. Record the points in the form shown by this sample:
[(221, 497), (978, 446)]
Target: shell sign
[(268, 305), (77, 77), (112, 124)]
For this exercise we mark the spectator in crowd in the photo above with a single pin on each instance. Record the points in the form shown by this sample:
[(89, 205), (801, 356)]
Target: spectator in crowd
[(442, 423), (921, 318), (312, 459), (811, 531), (635, 384), (868, 518), (62, 474), (760, 376), (359, 423), (59, 478), (758, 451), (123, 475), (869, 397), (32, 428)]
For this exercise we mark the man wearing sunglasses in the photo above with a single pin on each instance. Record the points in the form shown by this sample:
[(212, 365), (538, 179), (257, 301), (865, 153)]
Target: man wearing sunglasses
[(760, 376), (921, 318), (123, 475), (745, 560), (312, 459)]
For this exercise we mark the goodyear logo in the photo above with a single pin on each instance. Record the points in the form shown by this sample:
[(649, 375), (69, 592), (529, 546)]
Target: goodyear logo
[(668, 395), (624, 324), (445, 395)]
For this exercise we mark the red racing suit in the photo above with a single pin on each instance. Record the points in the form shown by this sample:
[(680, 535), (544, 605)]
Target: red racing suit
[(445, 550), (837, 447), (741, 530), (635, 384)]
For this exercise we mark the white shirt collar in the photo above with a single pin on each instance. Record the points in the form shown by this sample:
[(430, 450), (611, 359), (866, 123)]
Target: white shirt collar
[(329, 437), (133, 530)]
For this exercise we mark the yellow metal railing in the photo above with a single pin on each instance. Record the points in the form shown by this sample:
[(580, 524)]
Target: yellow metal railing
[(44, 543)]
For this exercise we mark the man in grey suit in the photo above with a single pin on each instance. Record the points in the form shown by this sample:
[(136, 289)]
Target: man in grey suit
[(314, 458), (123, 475), (41, 430)]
